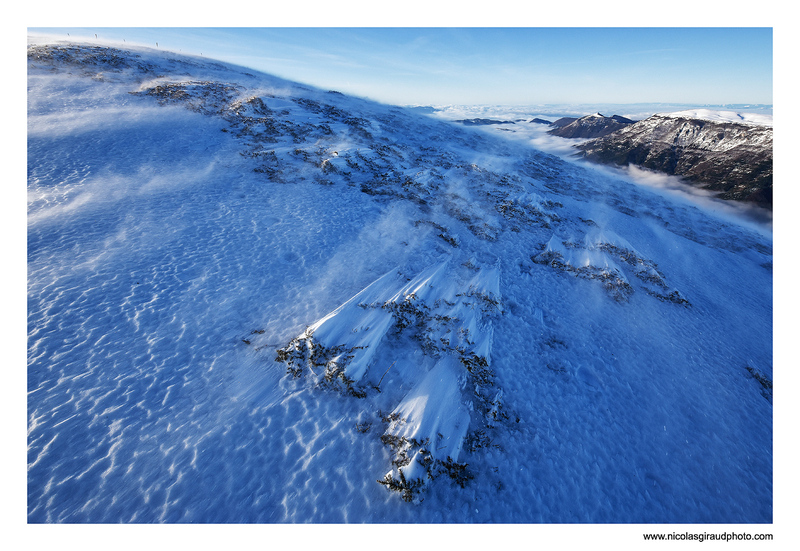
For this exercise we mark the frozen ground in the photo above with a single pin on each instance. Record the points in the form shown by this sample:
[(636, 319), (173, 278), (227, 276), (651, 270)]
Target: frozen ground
[(253, 301)]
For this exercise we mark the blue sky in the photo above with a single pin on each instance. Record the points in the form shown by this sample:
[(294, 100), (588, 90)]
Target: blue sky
[(510, 66)]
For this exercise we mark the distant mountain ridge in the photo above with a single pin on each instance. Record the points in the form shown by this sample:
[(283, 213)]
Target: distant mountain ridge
[(564, 121), (590, 126), (734, 158), (486, 122), (482, 122)]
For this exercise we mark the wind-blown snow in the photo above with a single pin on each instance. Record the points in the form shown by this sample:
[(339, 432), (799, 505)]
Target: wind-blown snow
[(253, 301)]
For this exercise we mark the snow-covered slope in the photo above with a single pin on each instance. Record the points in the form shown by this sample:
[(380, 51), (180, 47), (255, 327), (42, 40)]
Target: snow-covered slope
[(254, 301)]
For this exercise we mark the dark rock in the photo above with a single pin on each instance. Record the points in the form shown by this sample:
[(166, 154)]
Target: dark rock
[(590, 126), (564, 121)]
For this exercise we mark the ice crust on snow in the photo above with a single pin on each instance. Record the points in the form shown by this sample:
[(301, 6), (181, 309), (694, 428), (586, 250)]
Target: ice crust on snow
[(433, 413), (357, 329)]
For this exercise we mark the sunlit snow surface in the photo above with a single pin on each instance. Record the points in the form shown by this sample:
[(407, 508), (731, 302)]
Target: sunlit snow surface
[(724, 116), (590, 350)]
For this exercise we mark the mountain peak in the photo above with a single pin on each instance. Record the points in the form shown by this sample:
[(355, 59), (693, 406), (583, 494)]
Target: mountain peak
[(589, 126)]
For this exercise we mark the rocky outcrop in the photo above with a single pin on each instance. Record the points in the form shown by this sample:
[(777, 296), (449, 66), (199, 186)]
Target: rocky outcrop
[(729, 157)]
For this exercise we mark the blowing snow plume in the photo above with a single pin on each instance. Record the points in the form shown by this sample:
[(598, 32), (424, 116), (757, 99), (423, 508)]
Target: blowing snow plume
[(353, 313)]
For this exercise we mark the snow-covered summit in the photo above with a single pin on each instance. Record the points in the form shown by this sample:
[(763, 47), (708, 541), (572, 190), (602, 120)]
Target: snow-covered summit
[(760, 119)]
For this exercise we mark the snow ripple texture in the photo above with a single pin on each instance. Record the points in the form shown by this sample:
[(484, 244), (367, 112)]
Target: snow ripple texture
[(254, 301)]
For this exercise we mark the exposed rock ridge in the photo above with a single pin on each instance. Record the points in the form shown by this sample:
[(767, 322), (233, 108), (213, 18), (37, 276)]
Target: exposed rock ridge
[(729, 157)]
